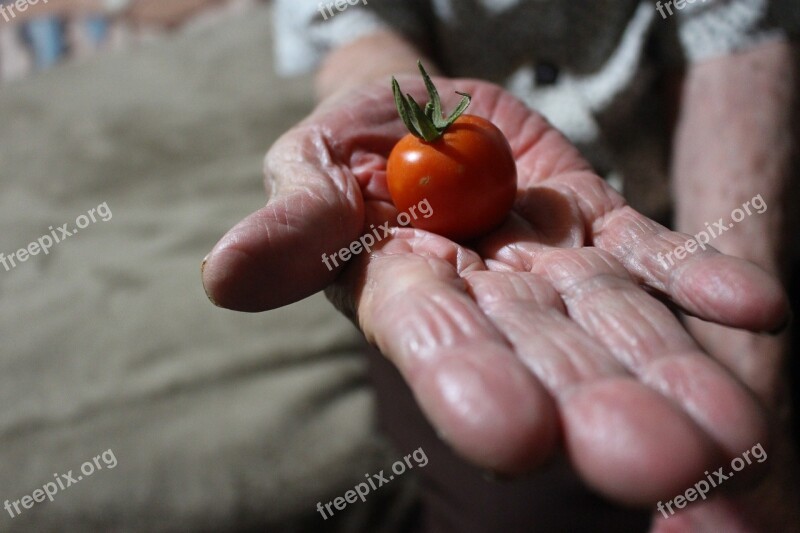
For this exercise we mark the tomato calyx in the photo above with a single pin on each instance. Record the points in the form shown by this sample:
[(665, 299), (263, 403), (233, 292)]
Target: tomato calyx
[(428, 124)]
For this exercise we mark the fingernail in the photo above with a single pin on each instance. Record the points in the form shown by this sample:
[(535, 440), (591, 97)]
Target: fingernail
[(202, 270)]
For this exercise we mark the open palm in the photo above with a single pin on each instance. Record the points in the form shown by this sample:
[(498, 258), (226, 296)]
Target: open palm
[(548, 334)]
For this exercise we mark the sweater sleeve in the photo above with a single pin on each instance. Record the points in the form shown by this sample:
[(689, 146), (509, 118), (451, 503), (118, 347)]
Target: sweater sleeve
[(305, 31), (710, 28)]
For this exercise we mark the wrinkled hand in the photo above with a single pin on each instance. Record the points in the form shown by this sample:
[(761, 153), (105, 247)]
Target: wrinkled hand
[(547, 334)]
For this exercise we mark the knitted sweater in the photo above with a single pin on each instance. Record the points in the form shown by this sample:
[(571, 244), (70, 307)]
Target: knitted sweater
[(591, 67)]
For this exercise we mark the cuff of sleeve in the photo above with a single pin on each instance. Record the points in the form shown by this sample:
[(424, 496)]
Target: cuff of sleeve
[(303, 39)]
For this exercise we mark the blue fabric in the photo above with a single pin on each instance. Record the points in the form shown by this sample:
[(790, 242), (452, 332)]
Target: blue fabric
[(97, 29), (46, 37)]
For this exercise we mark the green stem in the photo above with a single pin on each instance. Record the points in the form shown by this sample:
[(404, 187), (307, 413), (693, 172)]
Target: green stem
[(429, 123)]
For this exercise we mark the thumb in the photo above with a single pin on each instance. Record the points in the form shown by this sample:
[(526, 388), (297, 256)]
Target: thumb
[(274, 256)]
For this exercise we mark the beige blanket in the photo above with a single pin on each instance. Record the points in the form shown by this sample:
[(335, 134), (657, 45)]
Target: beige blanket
[(216, 421)]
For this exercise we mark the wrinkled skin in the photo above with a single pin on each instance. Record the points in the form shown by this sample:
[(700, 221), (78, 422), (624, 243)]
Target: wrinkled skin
[(549, 334)]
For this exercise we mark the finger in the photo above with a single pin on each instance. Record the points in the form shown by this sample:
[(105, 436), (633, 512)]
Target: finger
[(275, 256), (477, 394), (647, 339), (617, 431), (532, 316), (703, 282)]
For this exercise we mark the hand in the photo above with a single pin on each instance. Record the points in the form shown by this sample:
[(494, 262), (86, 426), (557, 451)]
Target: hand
[(545, 334)]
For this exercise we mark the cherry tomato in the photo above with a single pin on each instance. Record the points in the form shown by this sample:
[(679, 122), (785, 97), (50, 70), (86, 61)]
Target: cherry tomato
[(462, 166), (468, 176)]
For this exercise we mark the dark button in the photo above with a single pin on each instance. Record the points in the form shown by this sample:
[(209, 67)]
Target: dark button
[(546, 73)]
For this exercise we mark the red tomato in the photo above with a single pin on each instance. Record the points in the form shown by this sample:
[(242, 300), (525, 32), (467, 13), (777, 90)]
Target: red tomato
[(468, 176), (461, 165)]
